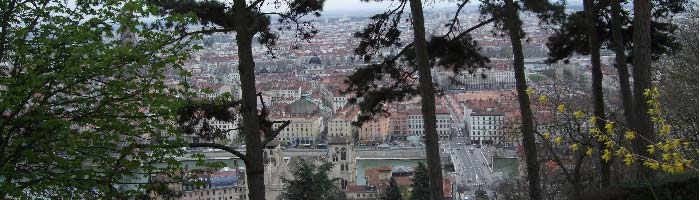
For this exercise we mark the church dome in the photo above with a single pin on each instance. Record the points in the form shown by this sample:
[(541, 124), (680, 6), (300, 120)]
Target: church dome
[(315, 60)]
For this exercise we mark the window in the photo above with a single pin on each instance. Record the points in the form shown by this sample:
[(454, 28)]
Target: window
[(343, 154)]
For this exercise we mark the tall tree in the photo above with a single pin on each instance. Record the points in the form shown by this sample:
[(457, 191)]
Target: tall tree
[(511, 23), (427, 94), (392, 192), (620, 61), (576, 33), (421, 186), (310, 182), (615, 30), (85, 110), (247, 20), (392, 80), (597, 85), (527, 127), (641, 73)]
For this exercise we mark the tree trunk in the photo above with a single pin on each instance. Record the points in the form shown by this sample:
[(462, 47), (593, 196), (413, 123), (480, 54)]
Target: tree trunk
[(246, 67), (533, 176), (622, 70), (642, 80), (427, 101), (597, 86)]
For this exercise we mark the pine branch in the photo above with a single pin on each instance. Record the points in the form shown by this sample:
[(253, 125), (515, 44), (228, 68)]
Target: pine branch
[(276, 131)]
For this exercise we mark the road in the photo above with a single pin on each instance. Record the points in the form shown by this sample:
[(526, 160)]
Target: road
[(472, 170)]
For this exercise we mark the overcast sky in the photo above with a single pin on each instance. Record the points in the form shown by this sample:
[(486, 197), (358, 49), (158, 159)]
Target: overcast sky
[(357, 6), (343, 6)]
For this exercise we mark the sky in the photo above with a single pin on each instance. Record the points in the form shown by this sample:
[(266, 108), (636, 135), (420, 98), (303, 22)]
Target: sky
[(352, 7), (357, 6)]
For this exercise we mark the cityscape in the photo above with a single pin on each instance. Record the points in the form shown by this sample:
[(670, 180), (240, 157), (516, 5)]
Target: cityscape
[(186, 100)]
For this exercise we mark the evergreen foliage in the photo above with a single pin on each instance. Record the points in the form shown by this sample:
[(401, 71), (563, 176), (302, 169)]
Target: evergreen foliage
[(421, 186), (392, 192), (310, 182)]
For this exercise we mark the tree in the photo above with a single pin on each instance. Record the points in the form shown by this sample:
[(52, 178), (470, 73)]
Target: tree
[(641, 72), (85, 110), (310, 182), (392, 191), (597, 84), (457, 52), (511, 24), (427, 94), (575, 35), (421, 186), (248, 20)]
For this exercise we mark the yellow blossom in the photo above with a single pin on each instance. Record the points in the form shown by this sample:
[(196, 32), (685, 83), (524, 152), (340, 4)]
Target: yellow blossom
[(609, 127), (561, 108), (606, 155), (665, 129), (629, 159), (666, 146), (650, 148), (609, 144), (676, 143), (593, 120), (666, 156), (651, 164), (578, 114), (620, 151), (557, 140), (543, 99), (573, 147), (594, 131), (629, 135), (589, 151), (529, 91), (546, 135)]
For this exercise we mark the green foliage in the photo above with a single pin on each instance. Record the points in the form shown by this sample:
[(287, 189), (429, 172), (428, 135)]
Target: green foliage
[(393, 192), (310, 182), (421, 183), (85, 110), (480, 195)]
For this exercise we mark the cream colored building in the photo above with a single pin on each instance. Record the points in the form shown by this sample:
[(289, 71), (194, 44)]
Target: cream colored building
[(303, 129), (375, 130), (341, 124), (443, 122)]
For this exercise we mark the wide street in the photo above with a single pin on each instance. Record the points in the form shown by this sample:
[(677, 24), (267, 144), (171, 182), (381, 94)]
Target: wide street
[(471, 167)]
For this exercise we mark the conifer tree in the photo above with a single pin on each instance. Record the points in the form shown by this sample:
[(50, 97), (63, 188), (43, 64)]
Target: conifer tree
[(310, 182), (421, 187), (393, 192)]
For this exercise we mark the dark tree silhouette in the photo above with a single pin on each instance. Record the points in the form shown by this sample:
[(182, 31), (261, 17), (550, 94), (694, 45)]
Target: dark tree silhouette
[(392, 192), (613, 25), (391, 81), (310, 182), (421, 186), (549, 13), (247, 20)]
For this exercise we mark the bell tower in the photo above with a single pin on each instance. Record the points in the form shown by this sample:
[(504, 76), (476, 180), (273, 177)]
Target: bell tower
[(341, 151)]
